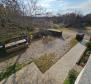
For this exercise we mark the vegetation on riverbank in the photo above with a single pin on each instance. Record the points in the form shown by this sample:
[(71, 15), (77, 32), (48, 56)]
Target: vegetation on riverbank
[(74, 73), (71, 77), (86, 55)]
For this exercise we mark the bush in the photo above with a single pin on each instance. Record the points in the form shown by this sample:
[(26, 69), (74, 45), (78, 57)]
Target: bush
[(66, 81), (88, 44), (82, 62), (72, 76)]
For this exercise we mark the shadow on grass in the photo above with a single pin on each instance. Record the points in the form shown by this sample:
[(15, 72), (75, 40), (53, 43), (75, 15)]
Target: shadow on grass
[(11, 70)]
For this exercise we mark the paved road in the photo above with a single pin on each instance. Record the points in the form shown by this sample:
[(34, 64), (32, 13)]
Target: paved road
[(55, 75)]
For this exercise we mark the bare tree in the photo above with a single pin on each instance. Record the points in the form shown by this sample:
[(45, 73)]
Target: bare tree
[(12, 7), (33, 7)]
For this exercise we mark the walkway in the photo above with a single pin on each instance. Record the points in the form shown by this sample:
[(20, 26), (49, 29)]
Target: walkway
[(60, 70), (37, 49), (55, 75)]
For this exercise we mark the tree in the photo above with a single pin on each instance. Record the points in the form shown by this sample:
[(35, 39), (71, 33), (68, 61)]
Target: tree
[(12, 7)]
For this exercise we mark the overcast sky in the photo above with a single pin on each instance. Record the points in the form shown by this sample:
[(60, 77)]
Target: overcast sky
[(63, 6)]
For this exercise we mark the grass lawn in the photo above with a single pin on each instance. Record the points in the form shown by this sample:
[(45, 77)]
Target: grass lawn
[(11, 70), (66, 81), (45, 61), (71, 77)]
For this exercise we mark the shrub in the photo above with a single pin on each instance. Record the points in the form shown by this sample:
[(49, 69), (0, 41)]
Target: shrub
[(72, 76), (88, 44), (84, 57)]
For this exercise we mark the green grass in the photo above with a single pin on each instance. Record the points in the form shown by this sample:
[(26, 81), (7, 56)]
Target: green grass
[(45, 62), (11, 70), (71, 77), (66, 81)]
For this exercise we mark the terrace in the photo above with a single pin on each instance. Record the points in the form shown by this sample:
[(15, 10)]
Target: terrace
[(45, 52)]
